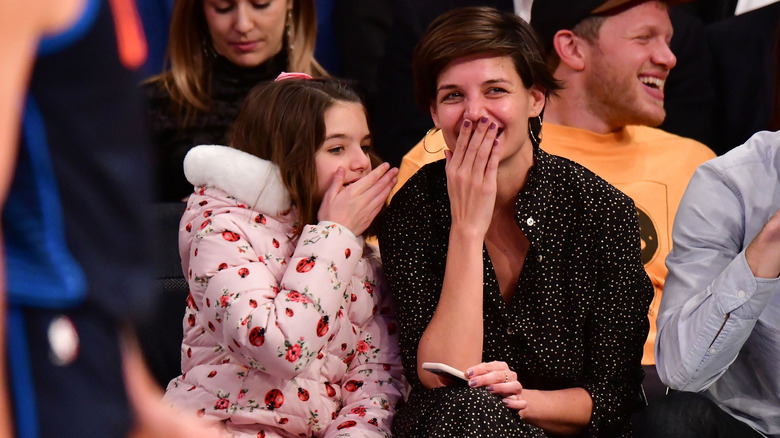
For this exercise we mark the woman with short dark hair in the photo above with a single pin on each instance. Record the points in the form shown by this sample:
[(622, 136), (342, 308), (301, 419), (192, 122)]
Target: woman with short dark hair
[(518, 268)]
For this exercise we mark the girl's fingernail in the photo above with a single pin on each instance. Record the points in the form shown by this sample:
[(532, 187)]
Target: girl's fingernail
[(490, 388), (470, 373), (495, 142), (492, 126), (473, 382), (483, 120), (466, 123), (505, 401)]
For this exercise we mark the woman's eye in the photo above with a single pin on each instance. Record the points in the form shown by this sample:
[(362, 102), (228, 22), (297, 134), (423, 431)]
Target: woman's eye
[(366, 148), (260, 5), (223, 9), (496, 90), (335, 150), (450, 96)]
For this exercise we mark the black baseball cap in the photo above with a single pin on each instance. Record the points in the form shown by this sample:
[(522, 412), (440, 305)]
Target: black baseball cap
[(550, 16)]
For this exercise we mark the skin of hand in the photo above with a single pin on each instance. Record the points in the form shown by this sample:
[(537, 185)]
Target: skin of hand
[(763, 253), (500, 380), (356, 205), (561, 412), (454, 335), (472, 170)]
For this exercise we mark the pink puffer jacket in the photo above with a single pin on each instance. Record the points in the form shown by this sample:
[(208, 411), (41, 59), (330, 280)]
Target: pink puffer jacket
[(281, 337)]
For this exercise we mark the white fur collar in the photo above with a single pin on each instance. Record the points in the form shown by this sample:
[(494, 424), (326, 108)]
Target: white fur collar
[(252, 180)]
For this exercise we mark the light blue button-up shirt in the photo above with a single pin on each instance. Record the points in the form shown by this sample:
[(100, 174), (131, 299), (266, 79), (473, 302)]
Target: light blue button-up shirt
[(718, 325)]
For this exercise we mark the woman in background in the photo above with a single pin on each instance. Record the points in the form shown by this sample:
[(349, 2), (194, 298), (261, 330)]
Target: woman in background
[(217, 51)]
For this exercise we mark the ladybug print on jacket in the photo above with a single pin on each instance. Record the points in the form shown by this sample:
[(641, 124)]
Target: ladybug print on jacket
[(274, 399), (305, 265), (347, 424), (243, 272), (373, 422), (257, 336), (230, 236), (275, 243), (303, 394), (353, 385), (222, 266), (288, 311), (322, 326), (347, 253), (260, 219), (329, 389)]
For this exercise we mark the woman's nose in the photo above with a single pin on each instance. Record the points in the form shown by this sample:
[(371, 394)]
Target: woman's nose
[(474, 111), (243, 20)]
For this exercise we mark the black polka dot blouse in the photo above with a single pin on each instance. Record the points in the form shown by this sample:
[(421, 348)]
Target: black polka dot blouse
[(579, 315)]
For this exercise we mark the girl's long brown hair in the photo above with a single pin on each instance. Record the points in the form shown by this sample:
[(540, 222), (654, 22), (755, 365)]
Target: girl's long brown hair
[(284, 122)]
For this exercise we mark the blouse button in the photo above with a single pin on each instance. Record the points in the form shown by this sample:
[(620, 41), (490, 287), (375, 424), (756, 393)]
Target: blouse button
[(530, 221), (539, 259), (741, 294), (510, 331)]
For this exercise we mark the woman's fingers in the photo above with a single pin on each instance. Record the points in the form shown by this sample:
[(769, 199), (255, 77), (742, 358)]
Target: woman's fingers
[(461, 144), (514, 402), (483, 150)]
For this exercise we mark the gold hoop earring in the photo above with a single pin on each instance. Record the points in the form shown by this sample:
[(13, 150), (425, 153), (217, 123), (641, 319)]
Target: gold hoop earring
[(288, 30), (425, 146)]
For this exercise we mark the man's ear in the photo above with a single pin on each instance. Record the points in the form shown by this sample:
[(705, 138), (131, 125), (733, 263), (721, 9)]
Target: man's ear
[(570, 49)]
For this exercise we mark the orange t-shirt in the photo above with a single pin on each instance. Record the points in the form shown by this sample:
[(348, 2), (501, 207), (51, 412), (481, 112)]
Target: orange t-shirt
[(649, 165)]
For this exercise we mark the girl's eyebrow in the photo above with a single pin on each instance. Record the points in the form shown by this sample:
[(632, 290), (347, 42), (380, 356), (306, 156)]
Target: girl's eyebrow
[(339, 135)]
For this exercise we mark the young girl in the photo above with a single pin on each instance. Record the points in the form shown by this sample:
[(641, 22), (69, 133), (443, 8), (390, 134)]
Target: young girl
[(288, 329)]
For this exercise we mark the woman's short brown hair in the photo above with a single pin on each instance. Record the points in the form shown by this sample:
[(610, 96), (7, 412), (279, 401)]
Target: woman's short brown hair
[(284, 122), (475, 30)]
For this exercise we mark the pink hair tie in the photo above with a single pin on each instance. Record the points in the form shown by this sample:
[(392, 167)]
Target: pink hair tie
[(293, 75)]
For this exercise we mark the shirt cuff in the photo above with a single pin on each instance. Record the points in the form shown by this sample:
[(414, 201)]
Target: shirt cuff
[(740, 293)]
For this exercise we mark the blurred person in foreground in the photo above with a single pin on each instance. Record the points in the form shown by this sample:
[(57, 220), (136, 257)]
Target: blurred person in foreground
[(74, 184)]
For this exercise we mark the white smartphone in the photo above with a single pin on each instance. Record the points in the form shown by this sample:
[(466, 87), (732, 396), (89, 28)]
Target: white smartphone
[(444, 370)]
